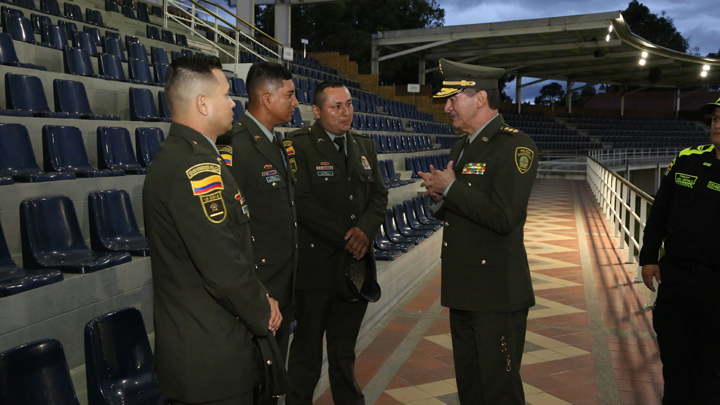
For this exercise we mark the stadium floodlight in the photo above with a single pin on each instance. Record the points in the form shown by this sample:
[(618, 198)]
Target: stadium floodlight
[(706, 68), (642, 62), (644, 55), (610, 28), (703, 73), (607, 38)]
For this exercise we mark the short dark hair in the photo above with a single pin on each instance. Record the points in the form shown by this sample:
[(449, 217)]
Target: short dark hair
[(262, 73), (319, 95), (185, 69)]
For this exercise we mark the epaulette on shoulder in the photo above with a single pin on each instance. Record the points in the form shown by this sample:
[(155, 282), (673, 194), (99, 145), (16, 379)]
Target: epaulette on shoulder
[(358, 134), (697, 150), (299, 132), (508, 129)]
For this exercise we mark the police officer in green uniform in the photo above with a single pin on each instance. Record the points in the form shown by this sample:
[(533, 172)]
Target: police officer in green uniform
[(685, 317), (257, 162), (483, 197), (208, 302), (341, 201)]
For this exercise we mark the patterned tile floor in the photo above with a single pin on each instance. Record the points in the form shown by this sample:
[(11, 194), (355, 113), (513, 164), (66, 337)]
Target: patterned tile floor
[(589, 339)]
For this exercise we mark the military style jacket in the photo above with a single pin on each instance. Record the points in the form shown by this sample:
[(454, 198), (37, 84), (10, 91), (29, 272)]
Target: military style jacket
[(260, 168), (684, 212), (332, 197), (484, 263), (208, 301)]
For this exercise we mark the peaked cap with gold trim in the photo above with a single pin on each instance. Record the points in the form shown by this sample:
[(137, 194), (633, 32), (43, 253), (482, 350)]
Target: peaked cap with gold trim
[(459, 76)]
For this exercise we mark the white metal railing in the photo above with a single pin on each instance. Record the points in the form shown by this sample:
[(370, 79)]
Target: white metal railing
[(626, 207), (634, 156), (193, 15)]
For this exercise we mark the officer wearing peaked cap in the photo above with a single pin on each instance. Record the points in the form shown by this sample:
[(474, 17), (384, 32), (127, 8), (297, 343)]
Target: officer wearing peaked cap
[(483, 197)]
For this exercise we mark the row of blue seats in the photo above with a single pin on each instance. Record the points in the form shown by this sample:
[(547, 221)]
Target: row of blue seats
[(322, 76), (691, 140), (401, 143), (118, 364), (525, 116), (394, 108), (447, 142), (430, 127), (416, 164), (154, 32), (390, 177), (644, 133), (141, 14), (52, 243), (406, 225), (365, 122), (569, 145), (546, 131), (65, 156), (630, 120), (559, 138)]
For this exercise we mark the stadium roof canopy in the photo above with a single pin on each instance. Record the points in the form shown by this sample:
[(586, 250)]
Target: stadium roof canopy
[(591, 48)]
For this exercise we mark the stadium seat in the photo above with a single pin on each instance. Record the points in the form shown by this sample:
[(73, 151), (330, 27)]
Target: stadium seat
[(413, 220), (160, 72), (94, 34), (140, 72), (119, 360), (239, 87), (393, 175), (386, 179), (142, 105), (403, 226), (113, 227), (17, 158), (163, 109), (110, 67), (237, 111), (14, 280), (64, 151), (20, 29), (36, 373), (70, 28), (26, 93), (51, 238), (70, 97), (38, 23), (392, 233), (147, 144), (110, 5), (129, 12), (181, 39), (416, 203), (94, 17), (153, 32), (113, 46), (77, 62), (55, 36), (143, 15), (383, 243), (86, 42), (158, 55), (167, 36), (115, 151), (136, 50), (50, 6)]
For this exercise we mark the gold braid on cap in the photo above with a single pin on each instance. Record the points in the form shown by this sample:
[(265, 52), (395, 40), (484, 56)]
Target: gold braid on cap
[(461, 83), (446, 92)]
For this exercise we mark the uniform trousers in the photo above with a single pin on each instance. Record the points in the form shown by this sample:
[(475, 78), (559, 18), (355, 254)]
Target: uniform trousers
[(480, 364), (686, 319), (320, 312), (246, 398), (282, 337)]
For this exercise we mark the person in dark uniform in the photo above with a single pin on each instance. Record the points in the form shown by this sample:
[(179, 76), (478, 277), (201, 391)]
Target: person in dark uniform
[(258, 163), (685, 314), (341, 201), (208, 302), (483, 197)]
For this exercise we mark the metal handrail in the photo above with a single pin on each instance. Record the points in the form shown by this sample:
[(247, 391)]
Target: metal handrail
[(191, 20), (625, 206)]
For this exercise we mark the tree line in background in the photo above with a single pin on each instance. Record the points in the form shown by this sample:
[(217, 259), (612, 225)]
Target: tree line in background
[(347, 27)]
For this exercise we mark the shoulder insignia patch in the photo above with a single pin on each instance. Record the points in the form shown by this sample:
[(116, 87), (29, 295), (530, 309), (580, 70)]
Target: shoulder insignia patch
[(698, 150), (206, 184), (226, 153), (523, 159), (509, 129), (288, 147)]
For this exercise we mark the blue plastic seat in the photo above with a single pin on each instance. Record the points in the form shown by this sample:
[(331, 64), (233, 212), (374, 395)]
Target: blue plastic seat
[(418, 205), (160, 70), (95, 34), (50, 6), (38, 23), (5, 12), (20, 29), (77, 62), (86, 42), (70, 28), (140, 72), (110, 5), (158, 55), (64, 151), (17, 158), (51, 238), (403, 226), (143, 15), (142, 105), (14, 280), (180, 39), (239, 87), (383, 172), (36, 373), (94, 17), (55, 36), (413, 220), (237, 111), (392, 233), (147, 143), (393, 175), (110, 67), (113, 227), (118, 360), (113, 46), (115, 151), (157, 11), (383, 243), (136, 50), (26, 93), (129, 12), (153, 32), (167, 36), (70, 97), (164, 110)]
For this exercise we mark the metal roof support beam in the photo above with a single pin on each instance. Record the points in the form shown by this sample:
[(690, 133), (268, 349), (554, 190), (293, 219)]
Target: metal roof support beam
[(568, 95), (413, 50), (421, 71), (534, 82), (374, 56), (282, 23), (518, 92), (677, 102)]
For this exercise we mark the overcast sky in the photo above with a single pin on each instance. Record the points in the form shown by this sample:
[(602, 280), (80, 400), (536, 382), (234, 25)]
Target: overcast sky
[(697, 20)]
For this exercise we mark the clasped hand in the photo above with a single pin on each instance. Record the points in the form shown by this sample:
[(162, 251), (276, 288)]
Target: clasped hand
[(437, 181)]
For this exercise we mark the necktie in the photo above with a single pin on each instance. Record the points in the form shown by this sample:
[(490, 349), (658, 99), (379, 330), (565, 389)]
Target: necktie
[(464, 149), (340, 142), (283, 152)]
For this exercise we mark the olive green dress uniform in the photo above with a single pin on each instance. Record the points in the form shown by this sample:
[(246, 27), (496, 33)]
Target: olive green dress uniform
[(332, 197), (208, 302), (260, 169), (489, 290)]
